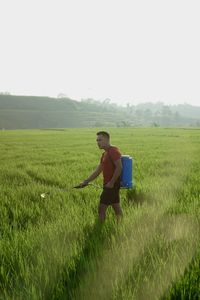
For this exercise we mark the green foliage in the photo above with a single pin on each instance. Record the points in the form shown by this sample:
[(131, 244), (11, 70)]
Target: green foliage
[(55, 248)]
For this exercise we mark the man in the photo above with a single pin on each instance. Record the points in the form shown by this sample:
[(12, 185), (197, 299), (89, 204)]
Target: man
[(111, 166)]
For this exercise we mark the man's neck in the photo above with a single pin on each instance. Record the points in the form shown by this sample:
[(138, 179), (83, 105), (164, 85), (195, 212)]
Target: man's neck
[(107, 147)]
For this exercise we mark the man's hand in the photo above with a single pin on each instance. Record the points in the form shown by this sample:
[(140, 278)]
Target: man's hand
[(91, 177), (109, 185)]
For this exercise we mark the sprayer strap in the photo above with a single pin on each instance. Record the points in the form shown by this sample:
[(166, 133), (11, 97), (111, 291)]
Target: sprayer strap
[(110, 158), (117, 182)]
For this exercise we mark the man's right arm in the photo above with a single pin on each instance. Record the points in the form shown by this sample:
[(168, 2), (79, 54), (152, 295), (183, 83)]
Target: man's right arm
[(95, 174)]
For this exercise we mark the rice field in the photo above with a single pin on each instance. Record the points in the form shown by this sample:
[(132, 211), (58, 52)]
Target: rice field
[(53, 247)]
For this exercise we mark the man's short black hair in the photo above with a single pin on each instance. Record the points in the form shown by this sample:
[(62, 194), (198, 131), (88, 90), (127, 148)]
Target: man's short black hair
[(104, 133)]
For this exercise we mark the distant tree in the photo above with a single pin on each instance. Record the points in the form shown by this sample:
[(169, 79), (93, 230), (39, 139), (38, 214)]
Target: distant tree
[(166, 111), (106, 101), (157, 113), (177, 115), (129, 108), (125, 124), (61, 95), (197, 123), (148, 113), (98, 124), (139, 113), (5, 93), (155, 124)]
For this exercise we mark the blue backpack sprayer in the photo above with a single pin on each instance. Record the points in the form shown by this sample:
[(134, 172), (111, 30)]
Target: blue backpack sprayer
[(126, 180), (126, 176)]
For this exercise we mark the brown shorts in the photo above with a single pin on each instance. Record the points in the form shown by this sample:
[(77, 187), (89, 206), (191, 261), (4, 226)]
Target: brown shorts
[(109, 196)]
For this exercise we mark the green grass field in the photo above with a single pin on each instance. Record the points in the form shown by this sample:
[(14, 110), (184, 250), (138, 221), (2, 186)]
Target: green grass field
[(54, 247)]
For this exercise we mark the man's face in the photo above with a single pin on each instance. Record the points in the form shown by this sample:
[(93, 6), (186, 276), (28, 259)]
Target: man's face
[(102, 141)]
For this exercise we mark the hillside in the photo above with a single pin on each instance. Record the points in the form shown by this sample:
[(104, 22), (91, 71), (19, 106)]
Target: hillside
[(26, 112)]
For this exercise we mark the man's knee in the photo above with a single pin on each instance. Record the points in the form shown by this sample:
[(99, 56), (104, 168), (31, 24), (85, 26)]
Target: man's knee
[(117, 209), (102, 211)]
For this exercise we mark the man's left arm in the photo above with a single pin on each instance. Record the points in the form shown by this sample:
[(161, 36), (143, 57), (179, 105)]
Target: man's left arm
[(117, 172)]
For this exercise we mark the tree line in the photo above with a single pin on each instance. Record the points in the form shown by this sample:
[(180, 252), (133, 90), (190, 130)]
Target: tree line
[(21, 112)]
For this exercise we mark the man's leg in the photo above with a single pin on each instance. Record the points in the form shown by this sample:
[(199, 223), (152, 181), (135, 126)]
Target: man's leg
[(102, 211), (118, 210)]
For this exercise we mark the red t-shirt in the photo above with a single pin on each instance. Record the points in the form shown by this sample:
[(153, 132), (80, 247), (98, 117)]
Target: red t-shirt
[(106, 162)]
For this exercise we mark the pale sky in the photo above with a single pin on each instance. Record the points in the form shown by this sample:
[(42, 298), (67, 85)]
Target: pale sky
[(128, 51)]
